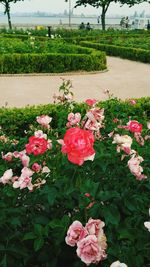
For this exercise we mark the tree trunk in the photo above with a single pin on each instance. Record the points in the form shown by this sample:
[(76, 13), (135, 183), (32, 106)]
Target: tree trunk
[(7, 11), (103, 18)]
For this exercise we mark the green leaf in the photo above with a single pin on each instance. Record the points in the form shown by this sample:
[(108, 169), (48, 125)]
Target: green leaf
[(38, 243), (111, 214), (3, 263), (29, 236)]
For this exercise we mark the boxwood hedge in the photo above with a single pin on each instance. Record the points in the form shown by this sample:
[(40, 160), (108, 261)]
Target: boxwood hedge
[(89, 60), (120, 51)]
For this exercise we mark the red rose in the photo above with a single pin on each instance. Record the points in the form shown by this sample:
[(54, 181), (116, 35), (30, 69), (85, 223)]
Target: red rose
[(36, 146), (90, 102), (135, 126), (78, 145)]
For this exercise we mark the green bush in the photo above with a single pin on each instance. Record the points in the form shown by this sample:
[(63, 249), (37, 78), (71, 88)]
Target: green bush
[(51, 63), (33, 225), (33, 56), (123, 52)]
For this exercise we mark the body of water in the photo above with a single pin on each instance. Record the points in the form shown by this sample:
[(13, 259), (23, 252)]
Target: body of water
[(55, 20)]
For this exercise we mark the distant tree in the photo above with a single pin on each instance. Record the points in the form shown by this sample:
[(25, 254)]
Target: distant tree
[(104, 4), (6, 4)]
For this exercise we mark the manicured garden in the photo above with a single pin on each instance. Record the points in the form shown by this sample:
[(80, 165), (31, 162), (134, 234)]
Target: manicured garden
[(74, 177), (75, 180), (31, 51), (31, 55)]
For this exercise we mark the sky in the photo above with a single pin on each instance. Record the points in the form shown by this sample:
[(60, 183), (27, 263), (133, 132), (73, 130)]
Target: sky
[(58, 6)]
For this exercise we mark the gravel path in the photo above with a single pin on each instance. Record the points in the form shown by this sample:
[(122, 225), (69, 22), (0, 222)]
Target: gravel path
[(124, 78)]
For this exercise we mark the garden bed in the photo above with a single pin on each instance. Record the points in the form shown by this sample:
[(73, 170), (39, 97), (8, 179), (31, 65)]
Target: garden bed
[(73, 175), (33, 56)]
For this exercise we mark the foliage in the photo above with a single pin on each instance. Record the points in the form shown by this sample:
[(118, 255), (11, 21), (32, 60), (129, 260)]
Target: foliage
[(37, 221), (31, 56), (121, 51)]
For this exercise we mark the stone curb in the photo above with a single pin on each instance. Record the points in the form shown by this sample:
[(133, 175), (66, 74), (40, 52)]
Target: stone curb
[(54, 74)]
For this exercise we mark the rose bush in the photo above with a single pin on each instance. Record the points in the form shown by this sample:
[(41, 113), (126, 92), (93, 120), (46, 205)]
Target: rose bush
[(50, 193)]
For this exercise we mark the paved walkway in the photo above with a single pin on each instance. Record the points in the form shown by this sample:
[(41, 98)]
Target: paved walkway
[(124, 78)]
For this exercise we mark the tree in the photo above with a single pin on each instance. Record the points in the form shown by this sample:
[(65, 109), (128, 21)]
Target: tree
[(6, 4), (104, 4)]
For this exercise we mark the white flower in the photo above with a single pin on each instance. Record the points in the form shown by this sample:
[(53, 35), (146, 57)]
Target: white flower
[(123, 140), (147, 225), (118, 264)]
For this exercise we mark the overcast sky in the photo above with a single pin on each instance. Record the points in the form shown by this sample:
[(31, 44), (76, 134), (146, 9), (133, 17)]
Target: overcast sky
[(56, 6)]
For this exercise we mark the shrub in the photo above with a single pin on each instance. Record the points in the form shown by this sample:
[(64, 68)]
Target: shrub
[(50, 56), (123, 52)]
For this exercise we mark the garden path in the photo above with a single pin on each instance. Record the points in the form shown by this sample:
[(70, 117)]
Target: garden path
[(124, 78)]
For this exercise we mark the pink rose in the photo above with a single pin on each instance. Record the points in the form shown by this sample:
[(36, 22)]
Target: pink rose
[(90, 102), (78, 145), (8, 156), (73, 119), (94, 226), (36, 167), (25, 160), (7, 176), (132, 102), (24, 181), (135, 126), (40, 134), (75, 232), (89, 250), (135, 168), (44, 120)]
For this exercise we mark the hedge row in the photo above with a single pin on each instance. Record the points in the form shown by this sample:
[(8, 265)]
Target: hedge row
[(15, 120), (123, 52), (52, 63)]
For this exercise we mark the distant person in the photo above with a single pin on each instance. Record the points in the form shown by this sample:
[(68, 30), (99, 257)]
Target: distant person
[(126, 22), (148, 25), (98, 19), (133, 25), (88, 26), (82, 26), (122, 22)]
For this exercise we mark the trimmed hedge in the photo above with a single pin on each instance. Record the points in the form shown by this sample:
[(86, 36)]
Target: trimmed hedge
[(123, 52), (52, 63), (15, 120)]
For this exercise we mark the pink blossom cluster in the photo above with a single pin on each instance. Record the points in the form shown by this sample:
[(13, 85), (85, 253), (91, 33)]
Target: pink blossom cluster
[(73, 119), (44, 120), (25, 180), (136, 128), (93, 121), (90, 240), (135, 168), (124, 143), (38, 144)]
